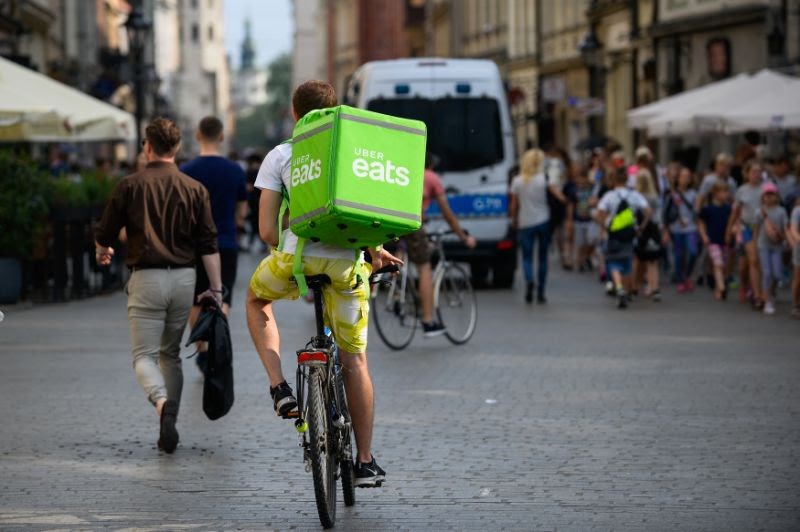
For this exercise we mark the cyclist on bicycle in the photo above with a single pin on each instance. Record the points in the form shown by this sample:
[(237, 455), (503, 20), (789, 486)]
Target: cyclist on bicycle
[(419, 249), (346, 299)]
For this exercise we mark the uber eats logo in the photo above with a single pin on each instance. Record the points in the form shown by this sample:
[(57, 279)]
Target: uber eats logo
[(371, 164), (305, 169)]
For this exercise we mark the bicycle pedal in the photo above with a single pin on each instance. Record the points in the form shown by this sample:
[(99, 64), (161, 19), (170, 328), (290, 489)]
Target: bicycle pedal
[(293, 414)]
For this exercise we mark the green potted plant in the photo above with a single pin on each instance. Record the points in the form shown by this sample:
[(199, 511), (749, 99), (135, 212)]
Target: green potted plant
[(23, 211)]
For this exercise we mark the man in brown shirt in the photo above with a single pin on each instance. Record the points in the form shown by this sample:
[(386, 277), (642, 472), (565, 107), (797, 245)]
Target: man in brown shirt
[(167, 219)]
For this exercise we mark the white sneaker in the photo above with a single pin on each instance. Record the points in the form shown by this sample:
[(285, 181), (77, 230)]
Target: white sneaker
[(610, 289), (769, 308)]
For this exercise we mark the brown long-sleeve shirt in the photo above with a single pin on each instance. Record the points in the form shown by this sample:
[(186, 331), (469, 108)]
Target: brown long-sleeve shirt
[(166, 215)]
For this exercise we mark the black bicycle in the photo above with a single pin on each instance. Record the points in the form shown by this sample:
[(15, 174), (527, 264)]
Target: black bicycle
[(323, 418)]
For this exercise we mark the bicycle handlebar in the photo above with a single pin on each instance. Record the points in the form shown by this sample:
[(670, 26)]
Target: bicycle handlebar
[(391, 268)]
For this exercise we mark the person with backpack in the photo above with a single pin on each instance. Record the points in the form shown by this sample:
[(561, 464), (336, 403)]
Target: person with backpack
[(681, 220), (617, 215), (771, 221), (530, 217), (347, 295)]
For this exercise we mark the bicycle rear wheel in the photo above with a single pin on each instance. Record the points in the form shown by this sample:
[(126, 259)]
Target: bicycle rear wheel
[(345, 446), (321, 449), (394, 312), (457, 307)]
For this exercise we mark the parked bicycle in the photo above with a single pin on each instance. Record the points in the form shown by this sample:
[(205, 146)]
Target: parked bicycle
[(323, 418), (395, 304)]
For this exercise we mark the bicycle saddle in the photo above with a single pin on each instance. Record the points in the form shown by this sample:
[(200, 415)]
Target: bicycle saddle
[(317, 281)]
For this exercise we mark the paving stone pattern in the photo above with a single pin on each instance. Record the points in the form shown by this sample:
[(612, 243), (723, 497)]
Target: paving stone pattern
[(683, 415)]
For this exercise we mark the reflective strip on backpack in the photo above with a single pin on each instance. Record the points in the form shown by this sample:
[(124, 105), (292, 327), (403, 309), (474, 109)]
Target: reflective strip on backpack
[(378, 123)]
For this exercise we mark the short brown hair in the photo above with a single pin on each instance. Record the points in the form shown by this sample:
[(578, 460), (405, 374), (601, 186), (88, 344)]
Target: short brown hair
[(164, 137), (621, 176), (210, 128), (312, 95)]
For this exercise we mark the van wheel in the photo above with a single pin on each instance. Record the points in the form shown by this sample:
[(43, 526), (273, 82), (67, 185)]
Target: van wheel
[(479, 271), (503, 276)]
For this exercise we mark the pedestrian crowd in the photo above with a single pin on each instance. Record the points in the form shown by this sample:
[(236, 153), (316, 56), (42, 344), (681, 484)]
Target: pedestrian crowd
[(734, 228)]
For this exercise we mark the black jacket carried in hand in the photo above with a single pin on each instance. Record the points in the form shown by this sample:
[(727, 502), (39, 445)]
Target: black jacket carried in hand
[(212, 327)]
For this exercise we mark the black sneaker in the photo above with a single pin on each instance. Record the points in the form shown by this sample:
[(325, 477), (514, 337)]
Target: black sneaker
[(529, 293), (369, 475), (540, 299), (432, 329), (168, 437), (623, 299), (283, 400)]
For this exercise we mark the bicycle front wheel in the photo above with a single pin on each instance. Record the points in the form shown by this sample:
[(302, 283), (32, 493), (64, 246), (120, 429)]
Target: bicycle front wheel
[(457, 306), (322, 453), (394, 312)]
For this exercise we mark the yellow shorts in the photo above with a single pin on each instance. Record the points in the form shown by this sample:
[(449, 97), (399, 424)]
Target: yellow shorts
[(346, 299)]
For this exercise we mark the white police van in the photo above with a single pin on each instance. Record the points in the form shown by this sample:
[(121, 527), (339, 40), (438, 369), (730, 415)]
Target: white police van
[(463, 103)]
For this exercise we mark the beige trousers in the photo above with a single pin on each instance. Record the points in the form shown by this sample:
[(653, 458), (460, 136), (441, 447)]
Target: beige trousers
[(159, 301)]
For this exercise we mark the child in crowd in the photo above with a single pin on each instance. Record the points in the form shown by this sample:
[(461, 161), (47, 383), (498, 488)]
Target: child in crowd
[(616, 214), (747, 203), (582, 199), (712, 223), (683, 231), (649, 245), (793, 235), (769, 227)]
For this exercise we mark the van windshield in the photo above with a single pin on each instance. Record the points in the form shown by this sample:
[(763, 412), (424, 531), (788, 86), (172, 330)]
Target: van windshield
[(464, 132)]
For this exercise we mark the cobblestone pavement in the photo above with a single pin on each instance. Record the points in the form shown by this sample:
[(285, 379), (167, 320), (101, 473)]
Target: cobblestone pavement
[(682, 415)]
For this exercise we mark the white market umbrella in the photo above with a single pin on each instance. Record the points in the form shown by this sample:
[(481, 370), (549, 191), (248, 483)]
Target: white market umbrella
[(639, 117), (778, 109), (703, 110), (34, 107)]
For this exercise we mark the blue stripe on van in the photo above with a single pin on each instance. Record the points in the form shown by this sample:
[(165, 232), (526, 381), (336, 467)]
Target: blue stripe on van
[(472, 206)]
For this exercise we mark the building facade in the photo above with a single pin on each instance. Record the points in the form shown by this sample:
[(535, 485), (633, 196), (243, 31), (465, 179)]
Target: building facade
[(523, 70), (309, 54), (250, 88), (191, 64), (566, 107)]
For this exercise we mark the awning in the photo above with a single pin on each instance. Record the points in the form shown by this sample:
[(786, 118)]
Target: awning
[(713, 108), (36, 108)]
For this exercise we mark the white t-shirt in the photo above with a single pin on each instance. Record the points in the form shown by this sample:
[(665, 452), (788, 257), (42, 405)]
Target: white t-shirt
[(276, 171), (532, 198), (611, 200)]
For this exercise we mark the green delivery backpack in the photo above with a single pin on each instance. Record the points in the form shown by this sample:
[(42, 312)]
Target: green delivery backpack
[(356, 178)]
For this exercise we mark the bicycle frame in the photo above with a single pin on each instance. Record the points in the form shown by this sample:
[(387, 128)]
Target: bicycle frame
[(321, 354)]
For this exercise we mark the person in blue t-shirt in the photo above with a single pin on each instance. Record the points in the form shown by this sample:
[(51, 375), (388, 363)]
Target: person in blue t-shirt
[(227, 186)]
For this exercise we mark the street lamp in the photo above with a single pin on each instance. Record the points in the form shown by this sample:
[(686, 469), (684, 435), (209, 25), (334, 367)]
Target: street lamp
[(138, 29), (591, 50)]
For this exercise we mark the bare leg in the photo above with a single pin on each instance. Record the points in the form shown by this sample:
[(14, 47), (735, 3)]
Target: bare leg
[(360, 400), (264, 331), (619, 281), (753, 270), (719, 279), (652, 276), (426, 290), (796, 287)]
